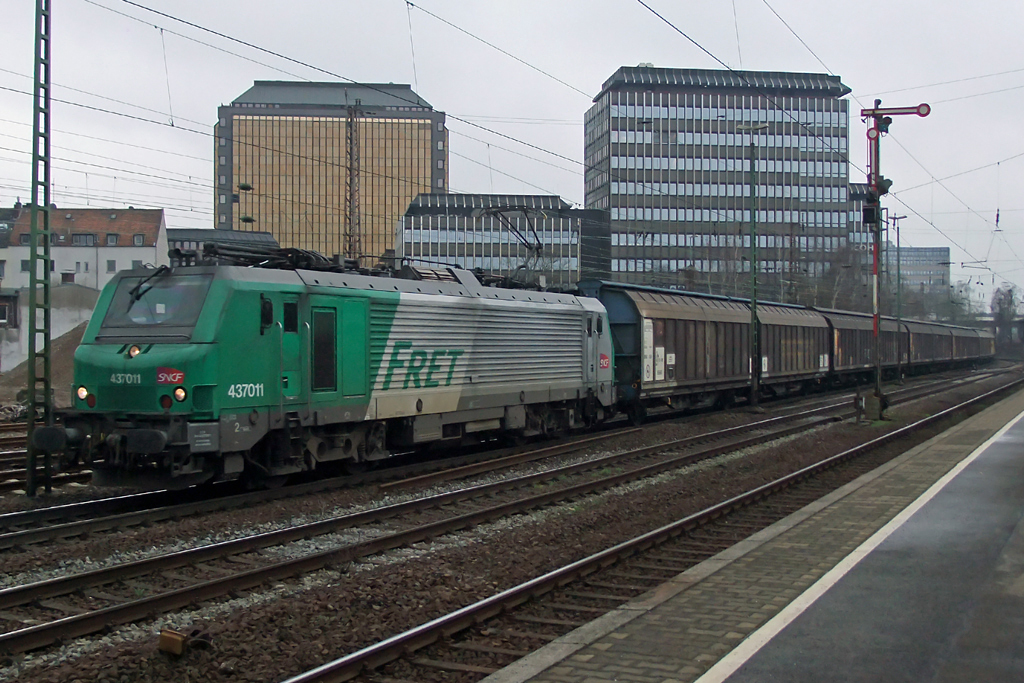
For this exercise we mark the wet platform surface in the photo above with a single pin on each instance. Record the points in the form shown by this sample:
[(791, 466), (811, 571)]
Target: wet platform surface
[(914, 572)]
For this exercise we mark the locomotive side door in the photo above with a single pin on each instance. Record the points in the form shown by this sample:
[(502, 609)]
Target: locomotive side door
[(339, 353), (291, 349)]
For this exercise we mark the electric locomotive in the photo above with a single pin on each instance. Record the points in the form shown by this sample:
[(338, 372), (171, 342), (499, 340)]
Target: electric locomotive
[(210, 373)]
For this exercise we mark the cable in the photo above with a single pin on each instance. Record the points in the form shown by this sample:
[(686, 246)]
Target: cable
[(894, 139), (958, 80), (109, 99), (956, 175), (495, 47), (109, 140), (412, 46)]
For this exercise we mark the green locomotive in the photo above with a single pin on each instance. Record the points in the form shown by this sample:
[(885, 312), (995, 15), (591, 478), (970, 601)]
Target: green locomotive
[(212, 373)]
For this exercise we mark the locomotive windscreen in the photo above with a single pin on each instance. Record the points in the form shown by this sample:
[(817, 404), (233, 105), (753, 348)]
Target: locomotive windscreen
[(159, 302)]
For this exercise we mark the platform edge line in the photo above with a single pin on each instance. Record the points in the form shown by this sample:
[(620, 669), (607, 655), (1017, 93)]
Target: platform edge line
[(731, 662)]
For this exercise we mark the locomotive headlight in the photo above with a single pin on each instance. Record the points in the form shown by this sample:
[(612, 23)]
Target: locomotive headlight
[(180, 394), (82, 393), (134, 351)]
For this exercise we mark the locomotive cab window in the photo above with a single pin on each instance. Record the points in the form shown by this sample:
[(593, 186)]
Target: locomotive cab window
[(291, 316), (266, 314), (161, 302)]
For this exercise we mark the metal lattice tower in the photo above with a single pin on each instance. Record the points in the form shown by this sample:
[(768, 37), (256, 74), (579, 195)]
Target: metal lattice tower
[(353, 229), (39, 400)]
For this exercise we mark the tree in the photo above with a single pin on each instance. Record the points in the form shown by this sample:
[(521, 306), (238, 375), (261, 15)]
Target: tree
[(1004, 309)]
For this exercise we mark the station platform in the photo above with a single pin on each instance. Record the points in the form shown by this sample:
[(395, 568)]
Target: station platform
[(913, 572)]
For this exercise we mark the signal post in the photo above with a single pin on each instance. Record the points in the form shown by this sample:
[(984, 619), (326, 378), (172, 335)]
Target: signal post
[(880, 117)]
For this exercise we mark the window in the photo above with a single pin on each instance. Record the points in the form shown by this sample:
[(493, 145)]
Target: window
[(111, 266), (25, 239), (24, 266), (67, 278), (83, 240), (86, 266), (139, 240), (223, 199), (325, 374), (3, 268), (440, 145), (111, 240), (291, 316), (440, 163), (136, 265)]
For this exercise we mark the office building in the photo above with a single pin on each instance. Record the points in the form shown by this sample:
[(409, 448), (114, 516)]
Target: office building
[(668, 153), (500, 233), (922, 269), (284, 151)]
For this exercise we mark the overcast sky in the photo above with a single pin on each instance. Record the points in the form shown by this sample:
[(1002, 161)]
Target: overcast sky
[(952, 170)]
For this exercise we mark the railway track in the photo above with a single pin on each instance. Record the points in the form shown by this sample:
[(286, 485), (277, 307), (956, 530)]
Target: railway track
[(481, 638), (120, 512), (41, 613)]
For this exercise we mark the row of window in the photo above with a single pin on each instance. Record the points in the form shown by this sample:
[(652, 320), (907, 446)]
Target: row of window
[(820, 169), (84, 239), (505, 263), (671, 239), (435, 236), (803, 143), (627, 265), (80, 266), (804, 193), (816, 118), (806, 218)]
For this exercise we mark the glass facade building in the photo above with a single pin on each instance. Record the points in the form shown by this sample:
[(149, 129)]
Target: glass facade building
[(488, 232), (669, 152), (921, 268), (281, 161)]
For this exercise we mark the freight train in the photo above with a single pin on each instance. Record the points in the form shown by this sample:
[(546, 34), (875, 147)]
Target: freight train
[(290, 361)]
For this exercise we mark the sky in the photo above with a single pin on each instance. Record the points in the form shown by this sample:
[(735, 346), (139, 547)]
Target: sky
[(139, 92)]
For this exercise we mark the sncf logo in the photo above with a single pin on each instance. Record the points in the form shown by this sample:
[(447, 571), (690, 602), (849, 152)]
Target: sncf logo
[(606, 362), (169, 376)]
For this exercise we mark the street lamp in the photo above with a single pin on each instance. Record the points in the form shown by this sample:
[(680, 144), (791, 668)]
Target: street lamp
[(755, 348)]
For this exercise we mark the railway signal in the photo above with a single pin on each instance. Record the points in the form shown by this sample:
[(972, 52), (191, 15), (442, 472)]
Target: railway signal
[(881, 118)]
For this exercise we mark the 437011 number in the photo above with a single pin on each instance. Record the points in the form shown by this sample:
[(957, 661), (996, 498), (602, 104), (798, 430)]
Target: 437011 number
[(245, 390), (125, 378)]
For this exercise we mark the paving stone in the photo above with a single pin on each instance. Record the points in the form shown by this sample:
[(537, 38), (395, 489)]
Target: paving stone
[(690, 631)]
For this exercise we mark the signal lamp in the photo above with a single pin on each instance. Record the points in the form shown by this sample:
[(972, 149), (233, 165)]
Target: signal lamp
[(180, 394), (91, 400), (134, 351), (165, 402), (82, 393)]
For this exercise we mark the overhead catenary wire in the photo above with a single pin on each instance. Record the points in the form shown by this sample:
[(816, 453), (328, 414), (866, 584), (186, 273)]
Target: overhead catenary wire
[(961, 247)]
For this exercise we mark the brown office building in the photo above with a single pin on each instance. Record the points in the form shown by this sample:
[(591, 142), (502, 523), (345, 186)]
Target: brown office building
[(283, 152)]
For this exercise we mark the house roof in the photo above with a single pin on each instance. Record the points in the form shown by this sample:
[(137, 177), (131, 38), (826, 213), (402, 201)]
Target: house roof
[(126, 223)]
